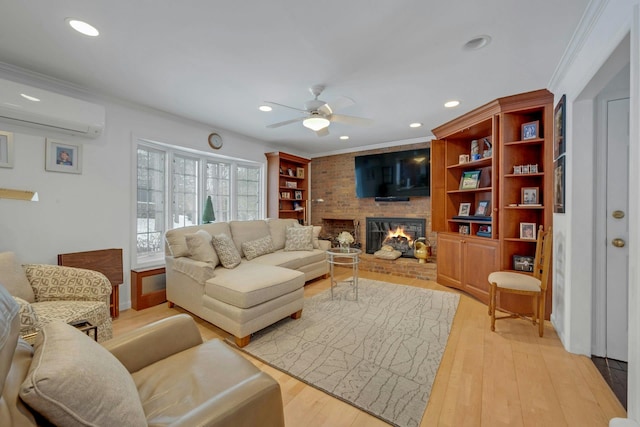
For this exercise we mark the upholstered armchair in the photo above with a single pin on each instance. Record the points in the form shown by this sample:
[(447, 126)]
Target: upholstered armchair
[(49, 292), (158, 375)]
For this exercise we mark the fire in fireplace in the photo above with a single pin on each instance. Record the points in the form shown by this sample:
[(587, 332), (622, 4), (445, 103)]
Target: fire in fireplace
[(399, 233)]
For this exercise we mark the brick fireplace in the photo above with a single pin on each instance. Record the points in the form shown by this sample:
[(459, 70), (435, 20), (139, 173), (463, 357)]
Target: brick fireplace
[(399, 233)]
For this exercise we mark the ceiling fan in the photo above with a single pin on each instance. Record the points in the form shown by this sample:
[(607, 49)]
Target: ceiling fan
[(319, 115)]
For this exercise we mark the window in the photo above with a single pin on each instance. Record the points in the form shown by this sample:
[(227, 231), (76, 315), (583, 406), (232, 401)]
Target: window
[(182, 179)]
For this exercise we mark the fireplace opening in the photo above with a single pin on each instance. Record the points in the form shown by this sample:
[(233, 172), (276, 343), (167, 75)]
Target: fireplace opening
[(399, 233)]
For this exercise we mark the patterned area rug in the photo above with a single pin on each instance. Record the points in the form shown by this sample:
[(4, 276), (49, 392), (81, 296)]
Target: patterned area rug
[(380, 353)]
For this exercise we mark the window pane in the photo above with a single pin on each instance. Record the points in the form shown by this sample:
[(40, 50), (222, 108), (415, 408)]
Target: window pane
[(248, 197), (218, 187), (185, 191), (150, 203)]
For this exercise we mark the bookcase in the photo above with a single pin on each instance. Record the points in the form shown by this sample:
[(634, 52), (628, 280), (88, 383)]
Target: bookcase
[(287, 186), (492, 186)]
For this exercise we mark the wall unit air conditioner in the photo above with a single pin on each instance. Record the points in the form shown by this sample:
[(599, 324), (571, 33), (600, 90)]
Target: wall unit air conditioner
[(31, 106)]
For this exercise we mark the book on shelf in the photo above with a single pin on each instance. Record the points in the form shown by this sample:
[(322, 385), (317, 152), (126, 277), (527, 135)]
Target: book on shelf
[(529, 205), (472, 218), (483, 234)]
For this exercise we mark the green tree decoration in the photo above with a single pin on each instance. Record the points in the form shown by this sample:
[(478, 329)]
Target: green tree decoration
[(208, 215)]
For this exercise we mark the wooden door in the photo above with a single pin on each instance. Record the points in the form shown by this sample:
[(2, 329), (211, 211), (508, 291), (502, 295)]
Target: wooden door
[(480, 259), (450, 260)]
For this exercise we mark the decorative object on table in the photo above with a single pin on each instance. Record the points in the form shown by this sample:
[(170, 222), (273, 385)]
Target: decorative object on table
[(470, 180), (530, 196), (345, 239), (387, 252), (523, 263), (558, 128), (483, 208), (300, 173), (6, 149), (530, 130), (558, 185), (475, 150), (463, 158), (422, 250), (63, 157), (417, 326), (215, 141), (528, 230), (208, 215), (465, 209)]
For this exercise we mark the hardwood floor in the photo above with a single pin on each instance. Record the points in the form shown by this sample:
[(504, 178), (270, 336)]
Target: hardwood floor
[(510, 377)]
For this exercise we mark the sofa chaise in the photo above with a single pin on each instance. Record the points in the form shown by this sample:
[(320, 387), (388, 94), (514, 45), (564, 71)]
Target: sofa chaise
[(243, 276)]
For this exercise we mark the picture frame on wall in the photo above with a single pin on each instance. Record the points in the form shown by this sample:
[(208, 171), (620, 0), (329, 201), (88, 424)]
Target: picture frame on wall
[(63, 156), (559, 185), (528, 230), (6, 149), (559, 121)]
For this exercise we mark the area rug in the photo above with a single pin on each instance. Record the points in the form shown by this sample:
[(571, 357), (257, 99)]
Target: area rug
[(380, 353)]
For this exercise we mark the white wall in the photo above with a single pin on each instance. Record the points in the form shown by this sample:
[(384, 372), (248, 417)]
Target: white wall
[(604, 26), (91, 210)]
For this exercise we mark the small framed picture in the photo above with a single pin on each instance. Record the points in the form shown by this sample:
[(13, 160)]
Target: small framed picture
[(530, 130), (470, 180), (517, 170), (463, 229), (528, 230), (533, 168), (298, 195), (291, 184), (300, 173), (523, 263), (63, 157), (464, 209), (285, 195), (6, 149), (483, 208), (525, 169), (530, 196), (463, 158)]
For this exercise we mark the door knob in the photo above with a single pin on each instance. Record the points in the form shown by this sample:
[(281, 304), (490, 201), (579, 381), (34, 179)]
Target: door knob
[(618, 243), (617, 214)]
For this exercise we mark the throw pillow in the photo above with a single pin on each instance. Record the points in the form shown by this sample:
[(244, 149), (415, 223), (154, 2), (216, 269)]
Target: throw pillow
[(74, 381), (226, 250), (299, 239), (316, 234), (201, 248), (255, 248)]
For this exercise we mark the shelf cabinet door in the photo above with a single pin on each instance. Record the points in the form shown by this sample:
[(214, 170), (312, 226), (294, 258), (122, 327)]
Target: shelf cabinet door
[(450, 260), (481, 259)]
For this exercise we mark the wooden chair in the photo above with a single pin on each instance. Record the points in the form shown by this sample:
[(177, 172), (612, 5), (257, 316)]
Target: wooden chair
[(533, 285)]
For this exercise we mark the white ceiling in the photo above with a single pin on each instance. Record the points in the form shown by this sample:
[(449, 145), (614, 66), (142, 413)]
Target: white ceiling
[(217, 61)]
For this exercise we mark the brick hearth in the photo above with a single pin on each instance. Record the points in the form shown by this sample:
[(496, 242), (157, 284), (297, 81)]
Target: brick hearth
[(405, 267)]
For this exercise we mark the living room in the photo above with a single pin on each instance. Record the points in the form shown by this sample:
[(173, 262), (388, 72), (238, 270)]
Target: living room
[(93, 210)]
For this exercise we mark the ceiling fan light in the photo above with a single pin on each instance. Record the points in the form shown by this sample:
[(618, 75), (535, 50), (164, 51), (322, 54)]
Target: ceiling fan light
[(316, 123)]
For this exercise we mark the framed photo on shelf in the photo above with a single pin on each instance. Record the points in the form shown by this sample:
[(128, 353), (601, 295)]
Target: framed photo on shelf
[(63, 157), (470, 180), (528, 230), (530, 130), (291, 184), (6, 149), (523, 263), (464, 209), (530, 196), (298, 195), (463, 229), (483, 208), (299, 172), (285, 195)]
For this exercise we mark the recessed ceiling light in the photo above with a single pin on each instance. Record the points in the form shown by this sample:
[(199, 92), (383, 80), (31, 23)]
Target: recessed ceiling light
[(83, 27), (265, 108), (451, 104), (415, 125), (477, 43), (29, 97), (344, 137)]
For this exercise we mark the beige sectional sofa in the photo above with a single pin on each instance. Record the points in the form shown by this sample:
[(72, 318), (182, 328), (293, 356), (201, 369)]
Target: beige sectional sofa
[(247, 280)]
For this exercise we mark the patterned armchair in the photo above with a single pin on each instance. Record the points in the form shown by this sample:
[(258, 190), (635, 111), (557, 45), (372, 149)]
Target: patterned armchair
[(51, 292)]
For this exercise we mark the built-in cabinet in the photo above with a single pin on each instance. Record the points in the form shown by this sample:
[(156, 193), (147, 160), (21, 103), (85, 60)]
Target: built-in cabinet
[(492, 186), (287, 186)]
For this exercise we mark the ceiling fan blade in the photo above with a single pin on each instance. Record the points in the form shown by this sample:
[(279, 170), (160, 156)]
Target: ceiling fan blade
[(323, 131), (286, 106), (286, 122), (350, 120), (341, 102)]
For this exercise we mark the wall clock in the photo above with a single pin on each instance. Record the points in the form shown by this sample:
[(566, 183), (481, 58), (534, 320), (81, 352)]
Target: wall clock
[(215, 141)]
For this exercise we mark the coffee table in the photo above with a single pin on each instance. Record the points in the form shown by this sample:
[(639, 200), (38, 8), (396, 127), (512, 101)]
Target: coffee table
[(344, 257)]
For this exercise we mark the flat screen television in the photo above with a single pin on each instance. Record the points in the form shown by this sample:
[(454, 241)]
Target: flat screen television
[(396, 175)]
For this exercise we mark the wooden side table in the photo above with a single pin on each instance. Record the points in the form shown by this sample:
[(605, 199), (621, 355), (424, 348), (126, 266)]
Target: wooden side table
[(147, 287)]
